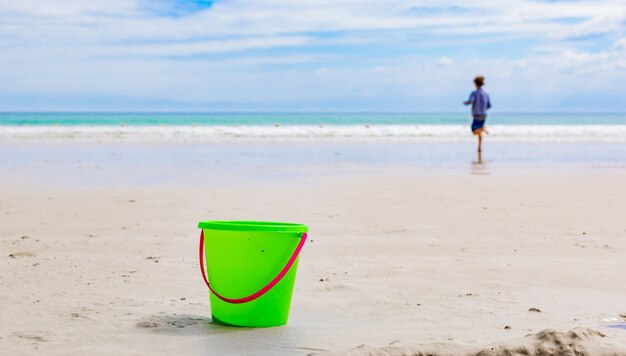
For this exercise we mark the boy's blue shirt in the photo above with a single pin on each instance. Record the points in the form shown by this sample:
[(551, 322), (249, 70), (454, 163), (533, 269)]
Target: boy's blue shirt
[(480, 102)]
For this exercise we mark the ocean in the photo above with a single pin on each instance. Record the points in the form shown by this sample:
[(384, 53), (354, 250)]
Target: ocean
[(32, 143), (253, 119), (543, 127)]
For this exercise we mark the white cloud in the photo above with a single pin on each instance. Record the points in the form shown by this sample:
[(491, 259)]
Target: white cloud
[(619, 45), (92, 21), (406, 51), (205, 47), (597, 25), (446, 61), (321, 71), (68, 8)]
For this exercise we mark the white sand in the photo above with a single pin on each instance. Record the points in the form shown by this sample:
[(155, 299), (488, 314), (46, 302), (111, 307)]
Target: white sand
[(409, 264)]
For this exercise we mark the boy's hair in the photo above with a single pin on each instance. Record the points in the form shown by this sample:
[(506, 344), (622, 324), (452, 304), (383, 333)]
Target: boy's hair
[(479, 81)]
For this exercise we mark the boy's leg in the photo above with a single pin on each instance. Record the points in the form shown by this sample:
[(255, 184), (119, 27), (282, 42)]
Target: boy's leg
[(480, 140)]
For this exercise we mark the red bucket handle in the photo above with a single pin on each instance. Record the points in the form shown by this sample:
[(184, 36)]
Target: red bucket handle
[(263, 290)]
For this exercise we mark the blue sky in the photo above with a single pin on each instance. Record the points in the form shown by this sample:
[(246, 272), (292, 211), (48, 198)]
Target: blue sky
[(305, 55)]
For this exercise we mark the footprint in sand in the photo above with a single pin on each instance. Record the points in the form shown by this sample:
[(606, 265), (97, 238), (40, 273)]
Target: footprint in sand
[(21, 254), (19, 241), (76, 315), (31, 337), (147, 325), (170, 322)]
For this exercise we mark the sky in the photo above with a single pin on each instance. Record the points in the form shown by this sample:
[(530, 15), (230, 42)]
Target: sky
[(306, 55)]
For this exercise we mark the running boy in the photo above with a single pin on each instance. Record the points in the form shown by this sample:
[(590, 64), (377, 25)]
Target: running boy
[(480, 103)]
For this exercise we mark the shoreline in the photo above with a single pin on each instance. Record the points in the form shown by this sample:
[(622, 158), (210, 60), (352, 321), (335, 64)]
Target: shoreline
[(134, 164), (428, 133)]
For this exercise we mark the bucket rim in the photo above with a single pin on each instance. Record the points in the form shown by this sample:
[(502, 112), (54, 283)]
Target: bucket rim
[(249, 225)]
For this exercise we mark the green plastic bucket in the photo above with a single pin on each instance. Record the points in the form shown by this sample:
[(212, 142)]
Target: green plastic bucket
[(251, 268)]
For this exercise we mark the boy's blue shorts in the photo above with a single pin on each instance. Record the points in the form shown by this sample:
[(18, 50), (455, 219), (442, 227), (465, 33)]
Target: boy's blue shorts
[(478, 122)]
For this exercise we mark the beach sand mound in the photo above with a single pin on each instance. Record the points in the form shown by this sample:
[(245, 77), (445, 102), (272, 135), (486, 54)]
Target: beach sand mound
[(578, 341)]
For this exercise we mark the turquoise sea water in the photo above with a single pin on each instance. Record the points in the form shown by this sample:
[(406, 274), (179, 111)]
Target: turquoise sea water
[(208, 119)]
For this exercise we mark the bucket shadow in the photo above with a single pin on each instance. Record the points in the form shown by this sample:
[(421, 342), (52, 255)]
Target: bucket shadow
[(184, 324)]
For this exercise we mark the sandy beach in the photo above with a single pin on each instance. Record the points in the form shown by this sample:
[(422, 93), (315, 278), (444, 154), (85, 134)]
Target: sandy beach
[(399, 261)]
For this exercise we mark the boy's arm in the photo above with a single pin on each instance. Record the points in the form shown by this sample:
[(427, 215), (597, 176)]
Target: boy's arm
[(470, 100), (488, 103)]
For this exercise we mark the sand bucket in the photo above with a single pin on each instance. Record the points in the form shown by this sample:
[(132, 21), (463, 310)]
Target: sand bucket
[(251, 269)]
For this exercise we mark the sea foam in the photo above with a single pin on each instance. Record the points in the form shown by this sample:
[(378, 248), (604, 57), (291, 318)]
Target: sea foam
[(295, 133)]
